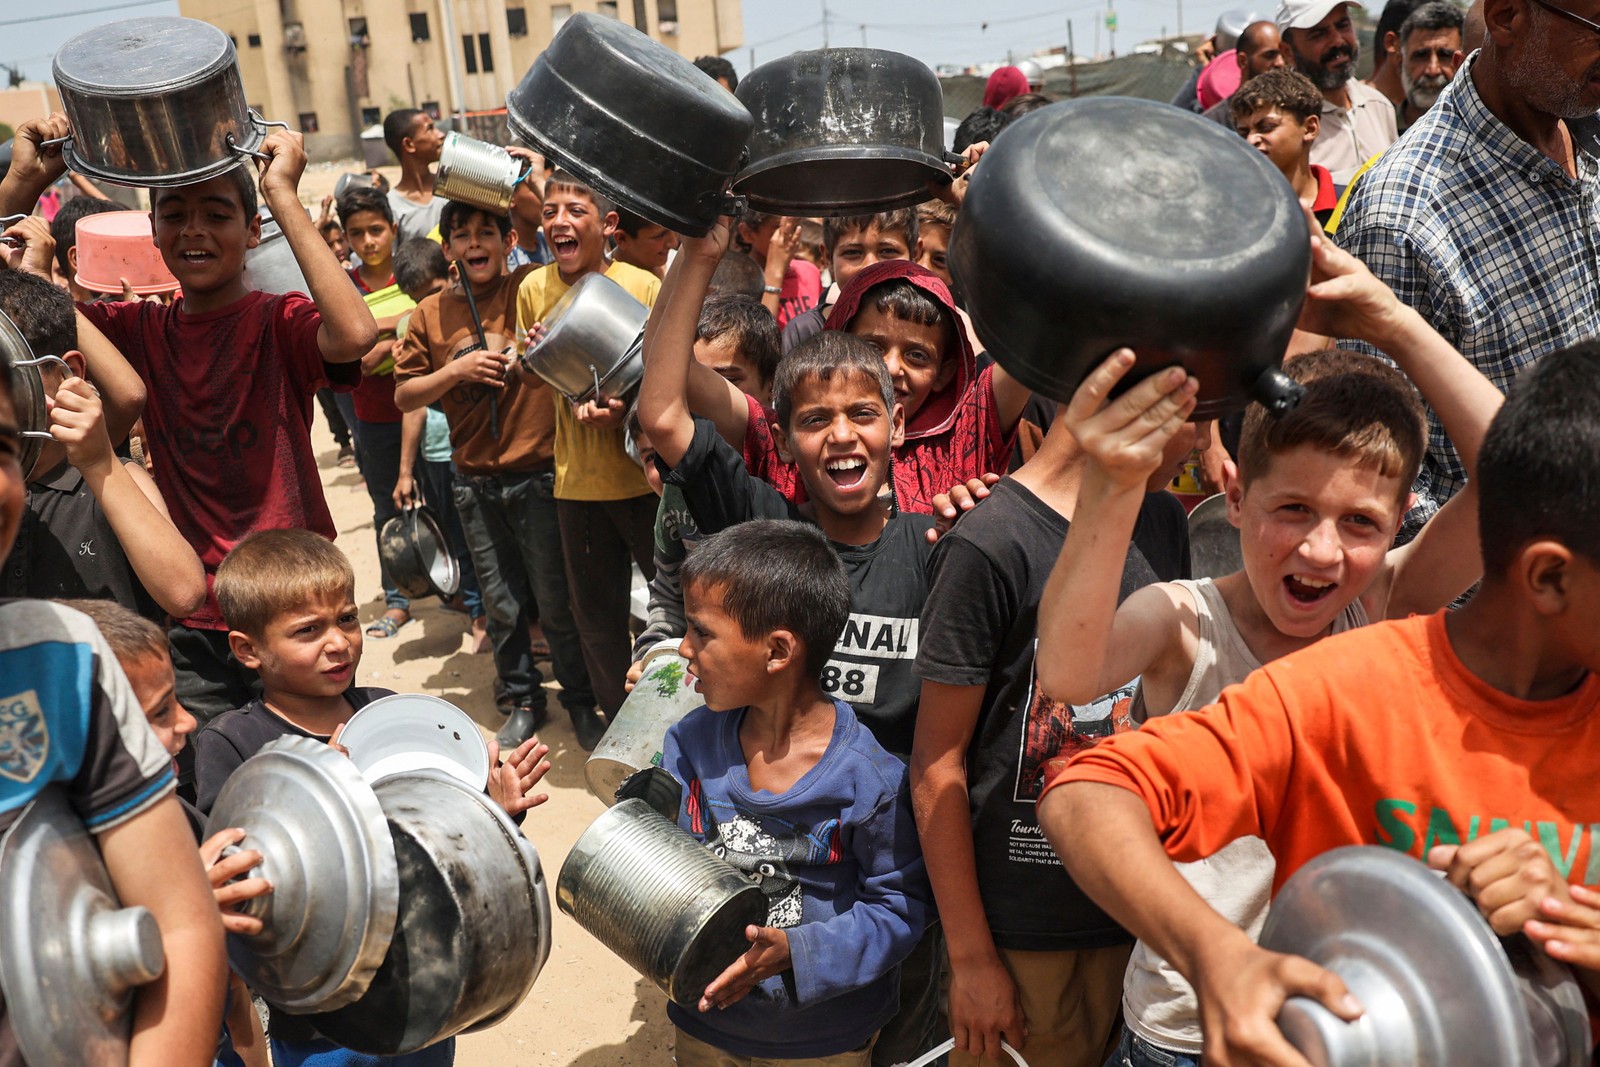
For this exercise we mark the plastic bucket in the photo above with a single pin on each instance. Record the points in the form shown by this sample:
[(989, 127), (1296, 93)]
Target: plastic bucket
[(660, 698), (659, 899), (119, 244)]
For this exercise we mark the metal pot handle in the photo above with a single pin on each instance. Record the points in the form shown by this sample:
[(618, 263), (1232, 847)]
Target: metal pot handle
[(54, 141), (256, 120), (41, 435), (934, 1053)]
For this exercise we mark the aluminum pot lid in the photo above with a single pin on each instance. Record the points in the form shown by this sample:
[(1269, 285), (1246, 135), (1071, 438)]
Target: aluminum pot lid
[(411, 732), (1436, 983), (27, 392), (1214, 549), (70, 957), (326, 849), (141, 57)]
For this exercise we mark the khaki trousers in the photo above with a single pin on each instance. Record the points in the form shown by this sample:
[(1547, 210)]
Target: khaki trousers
[(691, 1052), (1073, 1004)]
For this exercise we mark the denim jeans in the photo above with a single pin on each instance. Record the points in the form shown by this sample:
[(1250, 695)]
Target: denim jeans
[(515, 539), (378, 452), (1137, 1052), (324, 1053), (435, 478)]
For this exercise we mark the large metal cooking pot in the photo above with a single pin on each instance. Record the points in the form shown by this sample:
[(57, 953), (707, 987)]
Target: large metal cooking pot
[(593, 341), (409, 732), (474, 927), (1436, 984), (477, 173), (1098, 223), (270, 267), (416, 556), (1214, 549), (842, 131), (635, 120), (70, 956), (632, 742), (659, 899), (27, 392), (326, 849), (155, 102)]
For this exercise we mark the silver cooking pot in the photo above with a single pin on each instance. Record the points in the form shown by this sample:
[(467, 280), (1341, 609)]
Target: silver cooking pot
[(1214, 549), (155, 102), (270, 266), (593, 342), (27, 392), (1436, 984), (478, 173), (70, 956)]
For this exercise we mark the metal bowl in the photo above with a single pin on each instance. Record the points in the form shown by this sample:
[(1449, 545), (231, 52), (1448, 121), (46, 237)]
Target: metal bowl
[(635, 120), (416, 555), (155, 102), (593, 340), (270, 267), (477, 173), (409, 732), (842, 131)]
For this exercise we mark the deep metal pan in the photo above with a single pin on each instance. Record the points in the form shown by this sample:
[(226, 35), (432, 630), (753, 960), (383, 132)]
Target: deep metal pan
[(155, 102), (27, 392)]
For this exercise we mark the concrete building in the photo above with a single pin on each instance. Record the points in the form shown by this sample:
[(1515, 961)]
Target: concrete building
[(333, 68)]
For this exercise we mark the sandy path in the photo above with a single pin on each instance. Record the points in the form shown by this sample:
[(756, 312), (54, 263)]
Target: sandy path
[(588, 1008)]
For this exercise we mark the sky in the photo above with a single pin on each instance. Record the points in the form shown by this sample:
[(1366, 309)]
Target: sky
[(935, 31)]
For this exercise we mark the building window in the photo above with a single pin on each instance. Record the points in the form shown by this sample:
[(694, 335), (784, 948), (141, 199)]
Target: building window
[(235, 41), (308, 122), (431, 107), (253, 40), (358, 33), (419, 26), (667, 10), (470, 51), (486, 56), (371, 116), (559, 14), (608, 8), (517, 21)]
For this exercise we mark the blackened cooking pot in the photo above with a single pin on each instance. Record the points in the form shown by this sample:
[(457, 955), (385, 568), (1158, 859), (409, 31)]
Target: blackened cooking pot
[(635, 120), (842, 131), (414, 552), (1098, 223)]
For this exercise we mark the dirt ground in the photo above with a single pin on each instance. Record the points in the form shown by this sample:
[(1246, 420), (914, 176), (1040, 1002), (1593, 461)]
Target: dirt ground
[(588, 1008)]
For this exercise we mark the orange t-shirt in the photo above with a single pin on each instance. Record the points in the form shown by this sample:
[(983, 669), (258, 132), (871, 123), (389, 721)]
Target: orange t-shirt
[(1377, 736)]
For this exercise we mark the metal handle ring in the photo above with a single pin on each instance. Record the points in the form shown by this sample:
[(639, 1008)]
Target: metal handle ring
[(54, 141), (255, 907)]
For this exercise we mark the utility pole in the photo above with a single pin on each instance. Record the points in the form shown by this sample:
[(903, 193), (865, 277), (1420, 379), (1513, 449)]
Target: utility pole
[(1072, 63), (824, 23), (452, 54), (863, 35)]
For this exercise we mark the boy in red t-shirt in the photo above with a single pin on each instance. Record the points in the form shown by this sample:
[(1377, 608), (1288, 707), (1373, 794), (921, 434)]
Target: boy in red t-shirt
[(1442, 736), (791, 285), (230, 374)]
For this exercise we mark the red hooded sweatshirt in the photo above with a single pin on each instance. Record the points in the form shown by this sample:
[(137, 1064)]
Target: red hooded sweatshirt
[(956, 435)]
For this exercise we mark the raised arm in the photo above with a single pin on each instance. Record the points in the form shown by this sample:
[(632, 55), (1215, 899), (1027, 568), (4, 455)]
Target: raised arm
[(1089, 646), (33, 167), (348, 331), (667, 395)]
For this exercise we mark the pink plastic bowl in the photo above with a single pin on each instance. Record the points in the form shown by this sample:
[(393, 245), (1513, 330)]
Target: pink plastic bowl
[(116, 245)]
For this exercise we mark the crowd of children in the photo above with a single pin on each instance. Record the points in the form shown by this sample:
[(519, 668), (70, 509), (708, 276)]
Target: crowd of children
[(1005, 769)]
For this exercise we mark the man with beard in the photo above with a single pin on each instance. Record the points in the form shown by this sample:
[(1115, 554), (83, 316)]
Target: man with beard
[(1429, 41), (1484, 217), (1357, 120), (1260, 49)]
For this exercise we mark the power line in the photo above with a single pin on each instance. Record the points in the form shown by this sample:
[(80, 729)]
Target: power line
[(85, 11)]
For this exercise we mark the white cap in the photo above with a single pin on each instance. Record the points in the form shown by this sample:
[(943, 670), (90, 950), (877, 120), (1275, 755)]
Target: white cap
[(1304, 14)]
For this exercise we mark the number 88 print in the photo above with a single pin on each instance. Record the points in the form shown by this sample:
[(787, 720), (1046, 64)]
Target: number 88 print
[(856, 683)]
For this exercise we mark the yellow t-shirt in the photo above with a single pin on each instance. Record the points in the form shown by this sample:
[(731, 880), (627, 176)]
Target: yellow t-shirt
[(591, 464)]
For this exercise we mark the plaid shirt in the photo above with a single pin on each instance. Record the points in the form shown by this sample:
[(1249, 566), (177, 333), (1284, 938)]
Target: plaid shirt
[(1489, 239)]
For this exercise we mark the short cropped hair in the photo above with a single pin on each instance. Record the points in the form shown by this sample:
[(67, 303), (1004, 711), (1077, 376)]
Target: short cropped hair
[(457, 213), (132, 637), (1431, 17), (1356, 407), (276, 571), (1394, 15), (564, 181), (631, 224), (935, 213), (907, 302), (64, 227), (822, 356), (397, 126), (243, 182), (774, 574), (43, 312), (738, 275), (983, 124), (1536, 474), (1287, 90), (418, 261), (364, 198), (748, 326), (903, 219), (717, 67)]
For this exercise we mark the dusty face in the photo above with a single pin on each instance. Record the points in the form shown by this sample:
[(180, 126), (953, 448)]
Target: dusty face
[(1427, 63), (156, 689), (1279, 136), (915, 354), (312, 651), (202, 234), (727, 668), (477, 244), (933, 242), (840, 437), (722, 355), (576, 232), (859, 249), (1314, 529), (372, 237), (1327, 52)]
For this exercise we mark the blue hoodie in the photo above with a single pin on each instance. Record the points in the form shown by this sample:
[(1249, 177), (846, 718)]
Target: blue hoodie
[(838, 858)]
